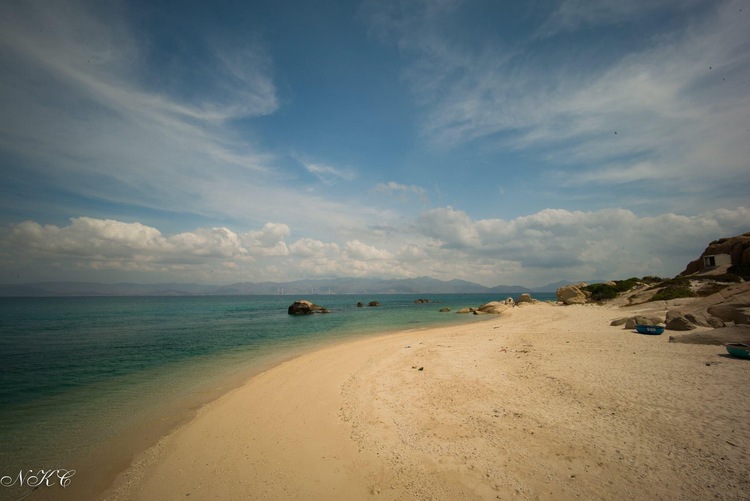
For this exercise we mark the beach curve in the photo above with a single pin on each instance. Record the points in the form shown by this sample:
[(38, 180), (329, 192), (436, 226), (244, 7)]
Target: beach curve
[(548, 403)]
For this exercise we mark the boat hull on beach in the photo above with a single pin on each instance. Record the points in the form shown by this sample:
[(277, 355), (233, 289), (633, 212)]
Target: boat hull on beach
[(738, 350), (650, 329)]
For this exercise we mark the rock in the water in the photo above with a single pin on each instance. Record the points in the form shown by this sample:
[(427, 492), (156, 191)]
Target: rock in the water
[(444, 310), (359, 304), (304, 307), (466, 310), (373, 303), (421, 301)]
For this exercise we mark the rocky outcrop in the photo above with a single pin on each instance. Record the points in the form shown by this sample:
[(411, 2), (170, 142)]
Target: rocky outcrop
[(304, 307), (373, 303), (737, 247), (421, 301), (720, 336), (631, 322), (525, 298), (679, 323), (572, 294), (729, 305), (493, 308)]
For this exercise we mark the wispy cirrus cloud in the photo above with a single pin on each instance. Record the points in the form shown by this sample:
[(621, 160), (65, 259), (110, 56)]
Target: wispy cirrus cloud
[(570, 15), (328, 174), (672, 108), (81, 114), (402, 191)]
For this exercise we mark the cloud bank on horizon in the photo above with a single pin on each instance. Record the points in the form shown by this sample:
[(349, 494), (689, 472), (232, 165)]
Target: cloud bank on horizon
[(489, 141)]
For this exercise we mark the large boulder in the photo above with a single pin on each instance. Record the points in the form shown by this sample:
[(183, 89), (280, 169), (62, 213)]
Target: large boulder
[(571, 294), (631, 322), (304, 307), (679, 323), (738, 313), (525, 298)]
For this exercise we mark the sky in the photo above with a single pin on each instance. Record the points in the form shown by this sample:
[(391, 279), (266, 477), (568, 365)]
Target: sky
[(499, 142)]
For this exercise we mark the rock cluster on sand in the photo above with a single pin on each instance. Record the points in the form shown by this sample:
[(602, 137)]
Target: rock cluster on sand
[(631, 322), (729, 305), (304, 307), (499, 307)]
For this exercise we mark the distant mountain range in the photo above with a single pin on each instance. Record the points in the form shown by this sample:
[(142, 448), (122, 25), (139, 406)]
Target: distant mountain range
[(421, 285)]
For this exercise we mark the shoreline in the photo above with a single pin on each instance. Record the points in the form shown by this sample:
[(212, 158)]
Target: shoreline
[(106, 462), (549, 402)]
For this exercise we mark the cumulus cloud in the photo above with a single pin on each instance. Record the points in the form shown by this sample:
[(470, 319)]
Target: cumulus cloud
[(445, 243), (607, 243)]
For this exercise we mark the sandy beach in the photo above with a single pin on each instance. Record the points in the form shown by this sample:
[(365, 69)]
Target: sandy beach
[(547, 402)]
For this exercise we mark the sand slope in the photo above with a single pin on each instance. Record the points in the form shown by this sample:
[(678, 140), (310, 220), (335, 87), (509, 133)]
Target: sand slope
[(549, 402)]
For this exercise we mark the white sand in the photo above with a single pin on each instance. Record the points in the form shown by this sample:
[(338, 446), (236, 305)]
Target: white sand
[(547, 403)]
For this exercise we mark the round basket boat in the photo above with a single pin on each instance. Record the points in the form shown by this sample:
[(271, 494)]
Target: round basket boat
[(738, 350), (649, 329)]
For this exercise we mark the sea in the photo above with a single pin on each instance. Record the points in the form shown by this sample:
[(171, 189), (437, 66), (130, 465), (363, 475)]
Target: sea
[(76, 373)]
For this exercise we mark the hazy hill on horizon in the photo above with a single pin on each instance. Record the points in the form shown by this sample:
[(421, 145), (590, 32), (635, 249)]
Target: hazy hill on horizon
[(344, 285)]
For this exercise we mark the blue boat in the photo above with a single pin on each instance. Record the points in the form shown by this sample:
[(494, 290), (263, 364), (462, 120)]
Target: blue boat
[(738, 350), (649, 329)]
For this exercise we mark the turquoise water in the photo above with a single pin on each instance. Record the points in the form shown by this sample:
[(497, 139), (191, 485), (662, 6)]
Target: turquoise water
[(74, 372)]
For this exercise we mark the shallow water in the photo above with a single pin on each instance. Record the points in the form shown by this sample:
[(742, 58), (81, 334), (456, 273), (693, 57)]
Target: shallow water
[(75, 372)]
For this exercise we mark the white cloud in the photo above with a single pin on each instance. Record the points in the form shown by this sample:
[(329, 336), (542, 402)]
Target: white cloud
[(358, 251), (328, 174), (402, 191), (654, 114), (570, 15), (80, 109), (446, 243)]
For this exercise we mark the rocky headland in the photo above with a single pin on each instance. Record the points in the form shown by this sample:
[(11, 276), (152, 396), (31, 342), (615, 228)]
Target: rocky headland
[(711, 297)]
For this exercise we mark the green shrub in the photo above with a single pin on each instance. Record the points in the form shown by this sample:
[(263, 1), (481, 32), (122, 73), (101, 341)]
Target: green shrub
[(673, 291), (726, 278), (601, 292)]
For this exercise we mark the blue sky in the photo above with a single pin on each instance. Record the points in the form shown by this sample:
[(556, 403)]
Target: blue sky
[(499, 142)]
